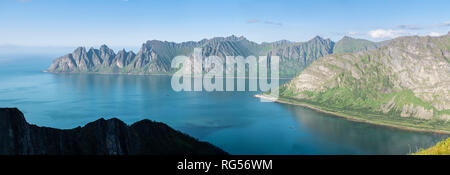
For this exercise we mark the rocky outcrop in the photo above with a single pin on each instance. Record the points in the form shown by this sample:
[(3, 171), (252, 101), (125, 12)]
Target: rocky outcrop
[(156, 56), (101, 137), (102, 60), (408, 77)]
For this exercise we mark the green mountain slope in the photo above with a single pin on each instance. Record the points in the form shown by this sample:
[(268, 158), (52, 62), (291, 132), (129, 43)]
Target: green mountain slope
[(352, 45), (405, 83)]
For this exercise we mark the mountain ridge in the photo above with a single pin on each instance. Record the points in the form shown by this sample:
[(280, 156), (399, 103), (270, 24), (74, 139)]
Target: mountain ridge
[(155, 56), (405, 82), (101, 137), (350, 45)]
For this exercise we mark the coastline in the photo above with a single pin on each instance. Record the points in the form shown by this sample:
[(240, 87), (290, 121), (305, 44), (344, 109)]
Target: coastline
[(104, 73), (351, 118), (150, 74)]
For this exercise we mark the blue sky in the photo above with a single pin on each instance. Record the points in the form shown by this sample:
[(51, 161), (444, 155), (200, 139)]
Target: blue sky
[(129, 23)]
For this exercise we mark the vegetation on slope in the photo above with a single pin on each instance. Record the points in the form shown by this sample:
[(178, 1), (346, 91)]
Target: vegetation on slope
[(352, 45), (441, 148), (403, 84)]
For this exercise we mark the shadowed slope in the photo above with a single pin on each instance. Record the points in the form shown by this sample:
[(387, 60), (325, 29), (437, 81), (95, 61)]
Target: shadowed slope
[(101, 137)]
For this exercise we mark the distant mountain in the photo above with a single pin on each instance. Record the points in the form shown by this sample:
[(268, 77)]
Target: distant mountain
[(101, 137), (156, 56), (295, 57), (404, 83), (351, 45)]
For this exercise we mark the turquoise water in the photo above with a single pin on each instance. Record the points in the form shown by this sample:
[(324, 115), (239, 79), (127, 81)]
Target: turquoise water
[(234, 121)]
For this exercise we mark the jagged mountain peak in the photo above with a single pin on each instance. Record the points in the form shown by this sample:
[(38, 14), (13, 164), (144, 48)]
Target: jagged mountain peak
[(103, 122), (104, 46), (317, 38), (101, 48), (156, 55), (228, 38), (106, 49), (122, 51), (80, 50), (96, 138), (236, 38)]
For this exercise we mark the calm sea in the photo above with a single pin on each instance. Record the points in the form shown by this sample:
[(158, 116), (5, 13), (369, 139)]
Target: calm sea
[(234, 121)]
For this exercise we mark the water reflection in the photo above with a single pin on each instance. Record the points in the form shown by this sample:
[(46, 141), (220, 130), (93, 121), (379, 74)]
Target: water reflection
[(368, 138)]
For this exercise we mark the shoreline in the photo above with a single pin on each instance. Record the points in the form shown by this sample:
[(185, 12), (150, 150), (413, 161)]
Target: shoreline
[(157, 74), (100, 73), (352, 118)]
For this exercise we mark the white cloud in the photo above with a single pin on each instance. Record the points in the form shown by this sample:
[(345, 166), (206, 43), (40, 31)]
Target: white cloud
[(386, 33), (434, 34)]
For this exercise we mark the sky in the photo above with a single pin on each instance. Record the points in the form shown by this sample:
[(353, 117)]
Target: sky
[(129, 23)]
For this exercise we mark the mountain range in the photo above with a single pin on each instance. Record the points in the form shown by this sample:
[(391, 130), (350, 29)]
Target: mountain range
[(156, 56), (405, 83), (101, 137)]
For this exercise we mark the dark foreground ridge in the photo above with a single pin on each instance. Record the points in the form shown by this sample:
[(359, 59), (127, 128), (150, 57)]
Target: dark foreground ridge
[(101, 137)]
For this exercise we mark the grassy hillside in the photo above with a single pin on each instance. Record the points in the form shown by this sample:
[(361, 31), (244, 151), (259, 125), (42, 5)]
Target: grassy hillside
[(405, 84), (351, 45), (441, 148)]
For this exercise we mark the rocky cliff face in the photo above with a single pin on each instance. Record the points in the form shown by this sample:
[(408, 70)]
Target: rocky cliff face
[(101, 137), (295, 57), (409, 78), (102, 60), (156, 56)]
